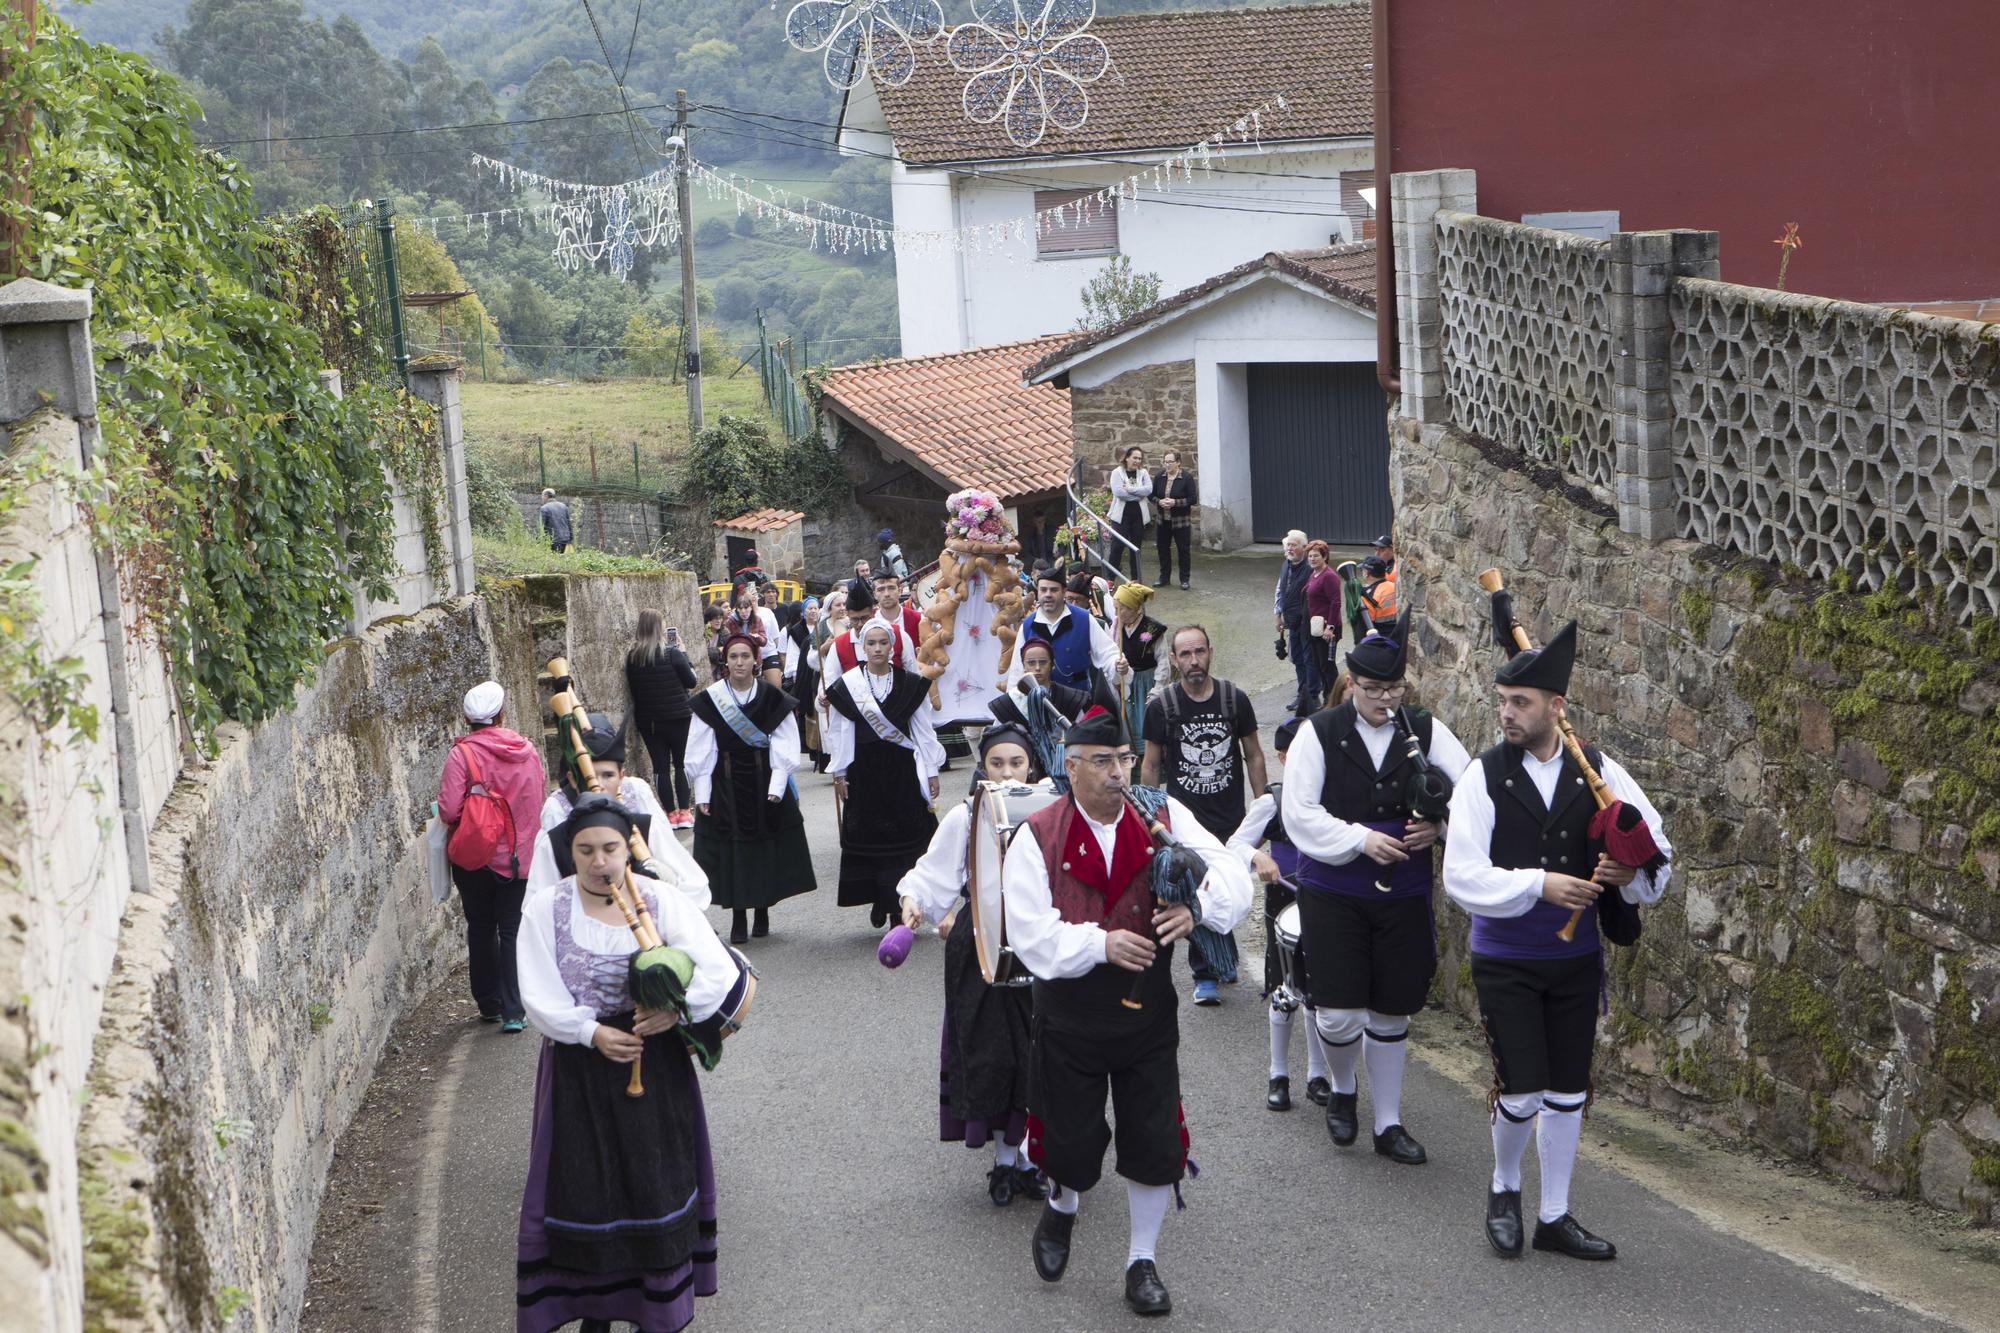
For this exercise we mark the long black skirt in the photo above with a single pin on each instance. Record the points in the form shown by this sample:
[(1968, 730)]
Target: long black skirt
[(886, 824), (983, 1093)]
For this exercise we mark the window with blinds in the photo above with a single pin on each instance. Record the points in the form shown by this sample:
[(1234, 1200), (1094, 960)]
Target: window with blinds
[(1079, 229)]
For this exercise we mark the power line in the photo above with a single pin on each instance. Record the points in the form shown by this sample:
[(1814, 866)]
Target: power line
[(432, 129), (618, 80)]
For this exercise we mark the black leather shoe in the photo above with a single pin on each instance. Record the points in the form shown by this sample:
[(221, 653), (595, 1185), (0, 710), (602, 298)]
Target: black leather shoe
[(1052, 1243), (738, 928), (1028, 1183), (1341, 1121), (1396, 1144), (1144, 1291), (1566, 1235), (1503, 1222), (1280, 1098), (1318, 1090), (1002, 1186), (760, 925)]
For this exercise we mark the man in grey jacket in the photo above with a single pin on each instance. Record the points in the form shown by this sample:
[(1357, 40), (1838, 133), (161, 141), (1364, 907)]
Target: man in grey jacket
[(555, 521)]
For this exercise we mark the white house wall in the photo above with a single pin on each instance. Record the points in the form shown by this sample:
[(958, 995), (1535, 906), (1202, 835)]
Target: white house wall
[(1269, 321), (1251, 205)]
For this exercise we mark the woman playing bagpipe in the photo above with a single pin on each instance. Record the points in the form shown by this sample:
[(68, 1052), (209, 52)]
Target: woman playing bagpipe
[(983, 1075), (885, 765), (749, 837), (1549, 840), (607, 754), (618, 1216)]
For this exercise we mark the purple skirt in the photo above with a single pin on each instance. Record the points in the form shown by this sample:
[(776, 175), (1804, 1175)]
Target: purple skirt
[(651, 1300)]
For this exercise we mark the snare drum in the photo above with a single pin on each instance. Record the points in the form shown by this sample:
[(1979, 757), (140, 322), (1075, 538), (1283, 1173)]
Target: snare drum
[(1290, 991), (998, 812)]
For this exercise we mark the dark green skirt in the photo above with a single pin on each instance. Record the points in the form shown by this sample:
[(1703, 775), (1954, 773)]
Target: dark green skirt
[(755, 873)]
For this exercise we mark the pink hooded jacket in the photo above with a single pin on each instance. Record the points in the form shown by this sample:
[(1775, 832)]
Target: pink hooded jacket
[(513, 772)]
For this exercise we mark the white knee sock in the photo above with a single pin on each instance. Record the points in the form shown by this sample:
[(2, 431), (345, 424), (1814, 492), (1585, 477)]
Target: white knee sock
[(1065, 1200), (1005, 1153), (1340, 1033), (1561, 1125), (1513, 1125), (1281, 1041), (1384, 1051), (1315, 1052), (1149, 1210)]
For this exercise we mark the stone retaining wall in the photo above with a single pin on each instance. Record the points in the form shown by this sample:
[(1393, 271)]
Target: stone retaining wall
[(1822, 978), (1153, 407)]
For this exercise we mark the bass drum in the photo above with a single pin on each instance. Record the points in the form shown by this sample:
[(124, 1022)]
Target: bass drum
[(998, 811), (1290, 991)]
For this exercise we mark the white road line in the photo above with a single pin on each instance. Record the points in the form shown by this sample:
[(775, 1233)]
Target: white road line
[(430, 1195)]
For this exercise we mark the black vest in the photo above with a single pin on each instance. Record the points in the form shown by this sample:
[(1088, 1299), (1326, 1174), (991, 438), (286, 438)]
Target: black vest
[(1354, 790), (1530, 836)]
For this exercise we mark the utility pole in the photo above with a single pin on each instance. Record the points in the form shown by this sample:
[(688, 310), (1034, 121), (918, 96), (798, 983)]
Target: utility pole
[(16, 143), (690, 303)]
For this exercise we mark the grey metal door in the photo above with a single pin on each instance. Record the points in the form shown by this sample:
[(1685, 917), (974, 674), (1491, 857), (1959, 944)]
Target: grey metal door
[(1319, 452)]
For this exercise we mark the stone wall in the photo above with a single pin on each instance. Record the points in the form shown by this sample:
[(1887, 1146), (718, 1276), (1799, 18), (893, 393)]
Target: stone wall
[(1826, 436), (621, 523), (1152, 407), (1823, 977)]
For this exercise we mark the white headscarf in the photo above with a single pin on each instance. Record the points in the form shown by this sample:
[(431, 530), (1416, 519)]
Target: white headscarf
[(861, 639), (483, 701)]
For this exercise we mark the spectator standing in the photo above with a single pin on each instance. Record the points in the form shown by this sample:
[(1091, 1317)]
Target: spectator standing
[(1378, 595), (1139, 645), (1202, 746), (556, 521), (713, 622), (660, 679), (758, 624), (1173, 497), (862, 572), (892, 554), (1385, 546), (1288, 608), (1131, 488), (1038, 541), (492, 761), (1323, 597)]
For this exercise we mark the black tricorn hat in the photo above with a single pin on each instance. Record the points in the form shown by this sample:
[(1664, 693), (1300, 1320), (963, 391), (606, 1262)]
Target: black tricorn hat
[(605, 741), (1382, 656), (1544, 668), (1097, 726), (860, 592)]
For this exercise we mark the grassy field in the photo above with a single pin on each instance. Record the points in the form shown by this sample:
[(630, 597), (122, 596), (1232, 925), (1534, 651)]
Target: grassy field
[(519, 429)]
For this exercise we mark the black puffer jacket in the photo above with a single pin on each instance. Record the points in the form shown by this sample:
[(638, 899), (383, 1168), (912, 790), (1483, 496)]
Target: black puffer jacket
[(659, 686)]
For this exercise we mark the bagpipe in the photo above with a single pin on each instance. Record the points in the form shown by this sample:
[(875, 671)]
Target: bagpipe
[(1617, 828), (1176, 874), (658, 974), (1429, 791)]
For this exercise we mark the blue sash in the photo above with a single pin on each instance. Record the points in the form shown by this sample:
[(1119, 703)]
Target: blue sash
[(746, 731)]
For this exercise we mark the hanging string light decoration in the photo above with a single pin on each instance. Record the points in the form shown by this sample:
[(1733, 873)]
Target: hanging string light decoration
[(1028, 65), (864, 37), (593, 223)]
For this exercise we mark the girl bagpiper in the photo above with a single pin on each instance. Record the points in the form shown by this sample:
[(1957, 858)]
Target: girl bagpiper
[(984, 1061), (618, 1216)]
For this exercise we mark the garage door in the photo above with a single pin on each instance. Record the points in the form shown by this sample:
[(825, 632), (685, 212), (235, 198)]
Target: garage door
[(1319, 452)]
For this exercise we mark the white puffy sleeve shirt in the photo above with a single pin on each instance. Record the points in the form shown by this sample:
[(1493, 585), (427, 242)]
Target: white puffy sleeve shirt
[(1054, 949), (934, 882), (1315, 830)]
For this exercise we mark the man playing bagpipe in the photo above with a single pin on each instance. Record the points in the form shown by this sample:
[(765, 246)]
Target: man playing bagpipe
[(1083, 888), (1537, 836), (1365, 788)]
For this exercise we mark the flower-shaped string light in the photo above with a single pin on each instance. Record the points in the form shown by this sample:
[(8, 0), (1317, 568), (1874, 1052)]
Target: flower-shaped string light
[(861, 37), (1028, 65)]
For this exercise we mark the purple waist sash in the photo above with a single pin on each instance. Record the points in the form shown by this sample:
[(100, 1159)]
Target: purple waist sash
[(1288, 859), (1533, 933), (1364, 878)]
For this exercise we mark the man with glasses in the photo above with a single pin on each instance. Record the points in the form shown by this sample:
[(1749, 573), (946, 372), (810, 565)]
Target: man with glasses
[(1201, 743), (1081, 916), (1365, 881)]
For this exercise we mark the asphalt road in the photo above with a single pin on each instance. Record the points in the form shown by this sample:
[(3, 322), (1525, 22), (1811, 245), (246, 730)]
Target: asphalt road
[(840, 1210)]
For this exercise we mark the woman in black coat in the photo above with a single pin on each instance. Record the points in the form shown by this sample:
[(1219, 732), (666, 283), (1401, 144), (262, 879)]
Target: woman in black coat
[(660, 678), (1174, 498)]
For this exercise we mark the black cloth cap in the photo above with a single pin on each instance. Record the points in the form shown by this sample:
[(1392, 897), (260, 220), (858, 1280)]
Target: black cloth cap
[(1544, 668), (1097, 726), (1383, 541), (594, 810), (1382, 656), (1287, 729), (1375, 564), (605, 741)]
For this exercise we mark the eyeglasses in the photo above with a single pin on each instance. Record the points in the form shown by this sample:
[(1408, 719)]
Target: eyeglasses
[(1382, 691), (1103, 762)]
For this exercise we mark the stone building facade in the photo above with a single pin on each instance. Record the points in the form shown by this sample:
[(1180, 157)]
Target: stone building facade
[(1823, 976), (1152, 407)]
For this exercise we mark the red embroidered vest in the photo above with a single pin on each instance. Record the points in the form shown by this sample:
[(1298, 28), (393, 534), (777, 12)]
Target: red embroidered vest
[(1116, 897)]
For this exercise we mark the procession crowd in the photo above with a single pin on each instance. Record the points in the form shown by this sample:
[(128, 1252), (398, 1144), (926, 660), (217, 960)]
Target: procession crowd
[(1120, 803)]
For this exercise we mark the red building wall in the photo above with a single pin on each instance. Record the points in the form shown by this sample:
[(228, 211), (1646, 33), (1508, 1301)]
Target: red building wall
[(1873, 125)]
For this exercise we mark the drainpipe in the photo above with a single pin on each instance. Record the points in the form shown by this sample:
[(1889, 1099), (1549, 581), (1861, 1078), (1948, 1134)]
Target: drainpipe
[(1388, 367)]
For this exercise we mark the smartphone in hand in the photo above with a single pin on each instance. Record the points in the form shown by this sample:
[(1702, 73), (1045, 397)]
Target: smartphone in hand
[(673, 636)]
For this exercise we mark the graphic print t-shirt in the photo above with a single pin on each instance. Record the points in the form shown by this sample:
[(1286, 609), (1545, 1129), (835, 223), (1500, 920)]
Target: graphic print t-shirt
[(1202, 764)]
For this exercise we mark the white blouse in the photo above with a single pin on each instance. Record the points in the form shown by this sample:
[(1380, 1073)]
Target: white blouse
[(702, 752), (677, 866), (934, 882), (555, 1012), (841, 737)]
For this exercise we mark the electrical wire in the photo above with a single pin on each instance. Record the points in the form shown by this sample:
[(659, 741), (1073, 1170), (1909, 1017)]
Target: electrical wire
[(618, 80), (432, 129)]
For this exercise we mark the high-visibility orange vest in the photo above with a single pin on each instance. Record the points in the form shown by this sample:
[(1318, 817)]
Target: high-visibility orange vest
[(1380, 600)]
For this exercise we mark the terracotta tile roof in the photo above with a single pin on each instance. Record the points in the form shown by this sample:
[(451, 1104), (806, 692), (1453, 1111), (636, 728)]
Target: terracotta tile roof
[(1174, 80), (965, 417), (763, 520), (1345, 271)]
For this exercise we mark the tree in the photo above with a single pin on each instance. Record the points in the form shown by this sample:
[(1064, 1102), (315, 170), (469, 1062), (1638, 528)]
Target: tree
[(649, 345), (1117, 292)]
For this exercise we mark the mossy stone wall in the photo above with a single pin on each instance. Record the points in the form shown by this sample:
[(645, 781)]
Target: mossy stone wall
[(1822, 978)]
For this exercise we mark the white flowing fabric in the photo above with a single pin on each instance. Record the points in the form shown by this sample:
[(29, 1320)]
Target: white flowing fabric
[(972, 670)]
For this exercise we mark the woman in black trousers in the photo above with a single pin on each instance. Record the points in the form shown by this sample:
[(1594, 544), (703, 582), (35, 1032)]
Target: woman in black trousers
[(1131, 487), (660, 678), (1173, 496)]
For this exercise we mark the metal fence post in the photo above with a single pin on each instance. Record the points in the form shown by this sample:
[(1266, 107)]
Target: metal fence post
[(392, 291), (542, 460)]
